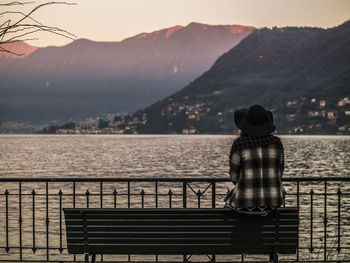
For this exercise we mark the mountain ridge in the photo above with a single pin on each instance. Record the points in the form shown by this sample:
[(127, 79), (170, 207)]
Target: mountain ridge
[(87, 78), (286, 69), (19, 50)]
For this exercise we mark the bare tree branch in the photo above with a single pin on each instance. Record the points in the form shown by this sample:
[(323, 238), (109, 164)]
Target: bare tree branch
[(19, 29), (16, 3), (2, 35), (6, 22), (41, 28), (53, 30), (21, 40), (21, 13), (15, 31), (8, 51), (40, 6), (21, 35)]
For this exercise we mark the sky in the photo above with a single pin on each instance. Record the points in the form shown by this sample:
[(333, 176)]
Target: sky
[(115, 20)]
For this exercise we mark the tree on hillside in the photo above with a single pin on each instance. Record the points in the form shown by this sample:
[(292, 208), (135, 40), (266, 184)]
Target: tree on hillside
[(16, 25), (102, 124)]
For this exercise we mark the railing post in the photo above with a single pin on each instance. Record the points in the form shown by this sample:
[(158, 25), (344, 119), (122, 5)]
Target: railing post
[(74, 257), (7, 220), (101, 203), (311, 218), (101, 194), (20, 221), (199, 194), (213, 195), (184, 194), (60, 193), (128, 194), (142, 198), (33, 217), (87, 193), (298, 205), (47, 222), (73, 194), (338, 193), (170, 193), (298, 193), (156, 197), (115, 198)]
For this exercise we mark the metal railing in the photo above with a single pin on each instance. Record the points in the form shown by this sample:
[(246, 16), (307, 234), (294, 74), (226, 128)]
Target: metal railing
[(32, 226)]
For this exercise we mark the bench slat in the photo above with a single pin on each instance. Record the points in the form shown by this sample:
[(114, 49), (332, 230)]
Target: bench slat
[(184, 241), (183, 222), (208, 228), (180, 249), (226, 234)]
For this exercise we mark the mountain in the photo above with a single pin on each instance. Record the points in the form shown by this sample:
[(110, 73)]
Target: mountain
[(87, 78), (302, 74), (19, 50)]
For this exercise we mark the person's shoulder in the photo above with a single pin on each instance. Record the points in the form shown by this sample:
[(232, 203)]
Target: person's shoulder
[(276, 138), (238, 139), (277, 141), (237, 144)]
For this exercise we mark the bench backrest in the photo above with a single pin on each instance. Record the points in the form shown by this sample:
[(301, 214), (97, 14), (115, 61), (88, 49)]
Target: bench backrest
[(179, 231)]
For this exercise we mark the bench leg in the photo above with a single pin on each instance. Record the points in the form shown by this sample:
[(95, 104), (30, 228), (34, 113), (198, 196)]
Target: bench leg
[(86, 258), (93, 258)]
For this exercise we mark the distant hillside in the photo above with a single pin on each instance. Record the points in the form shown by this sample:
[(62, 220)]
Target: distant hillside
[(87, 79), (303, 74), (19, 50)]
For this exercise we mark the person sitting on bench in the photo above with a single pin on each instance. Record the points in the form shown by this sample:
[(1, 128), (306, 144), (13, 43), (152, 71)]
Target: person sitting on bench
[(256, 164)]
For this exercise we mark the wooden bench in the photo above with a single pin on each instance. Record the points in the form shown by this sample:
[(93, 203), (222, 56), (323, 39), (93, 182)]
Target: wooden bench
[(183, 231)]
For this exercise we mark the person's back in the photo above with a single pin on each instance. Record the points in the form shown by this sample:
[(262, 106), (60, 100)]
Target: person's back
[(256, 166)]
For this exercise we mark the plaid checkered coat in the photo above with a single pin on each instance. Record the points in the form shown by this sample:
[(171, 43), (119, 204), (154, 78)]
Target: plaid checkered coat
[(256, 168)]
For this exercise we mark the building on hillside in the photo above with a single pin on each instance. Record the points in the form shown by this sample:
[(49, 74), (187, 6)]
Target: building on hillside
[(343, 102), (191, 130), (313, 113)]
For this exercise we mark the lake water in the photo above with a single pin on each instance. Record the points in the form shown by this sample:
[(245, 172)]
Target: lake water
[(173, 156), (158, 155)]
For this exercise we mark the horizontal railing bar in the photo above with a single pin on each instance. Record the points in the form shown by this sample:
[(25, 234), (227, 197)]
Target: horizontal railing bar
[(152, 194), (108, 194), (191, 261), (80, 261), (65, 248), (123, 179), (143, 261), (31, 248), (201, 179), (77, 261)]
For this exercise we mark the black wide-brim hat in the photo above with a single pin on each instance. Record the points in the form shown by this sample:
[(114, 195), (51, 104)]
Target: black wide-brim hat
[(255, 121)]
